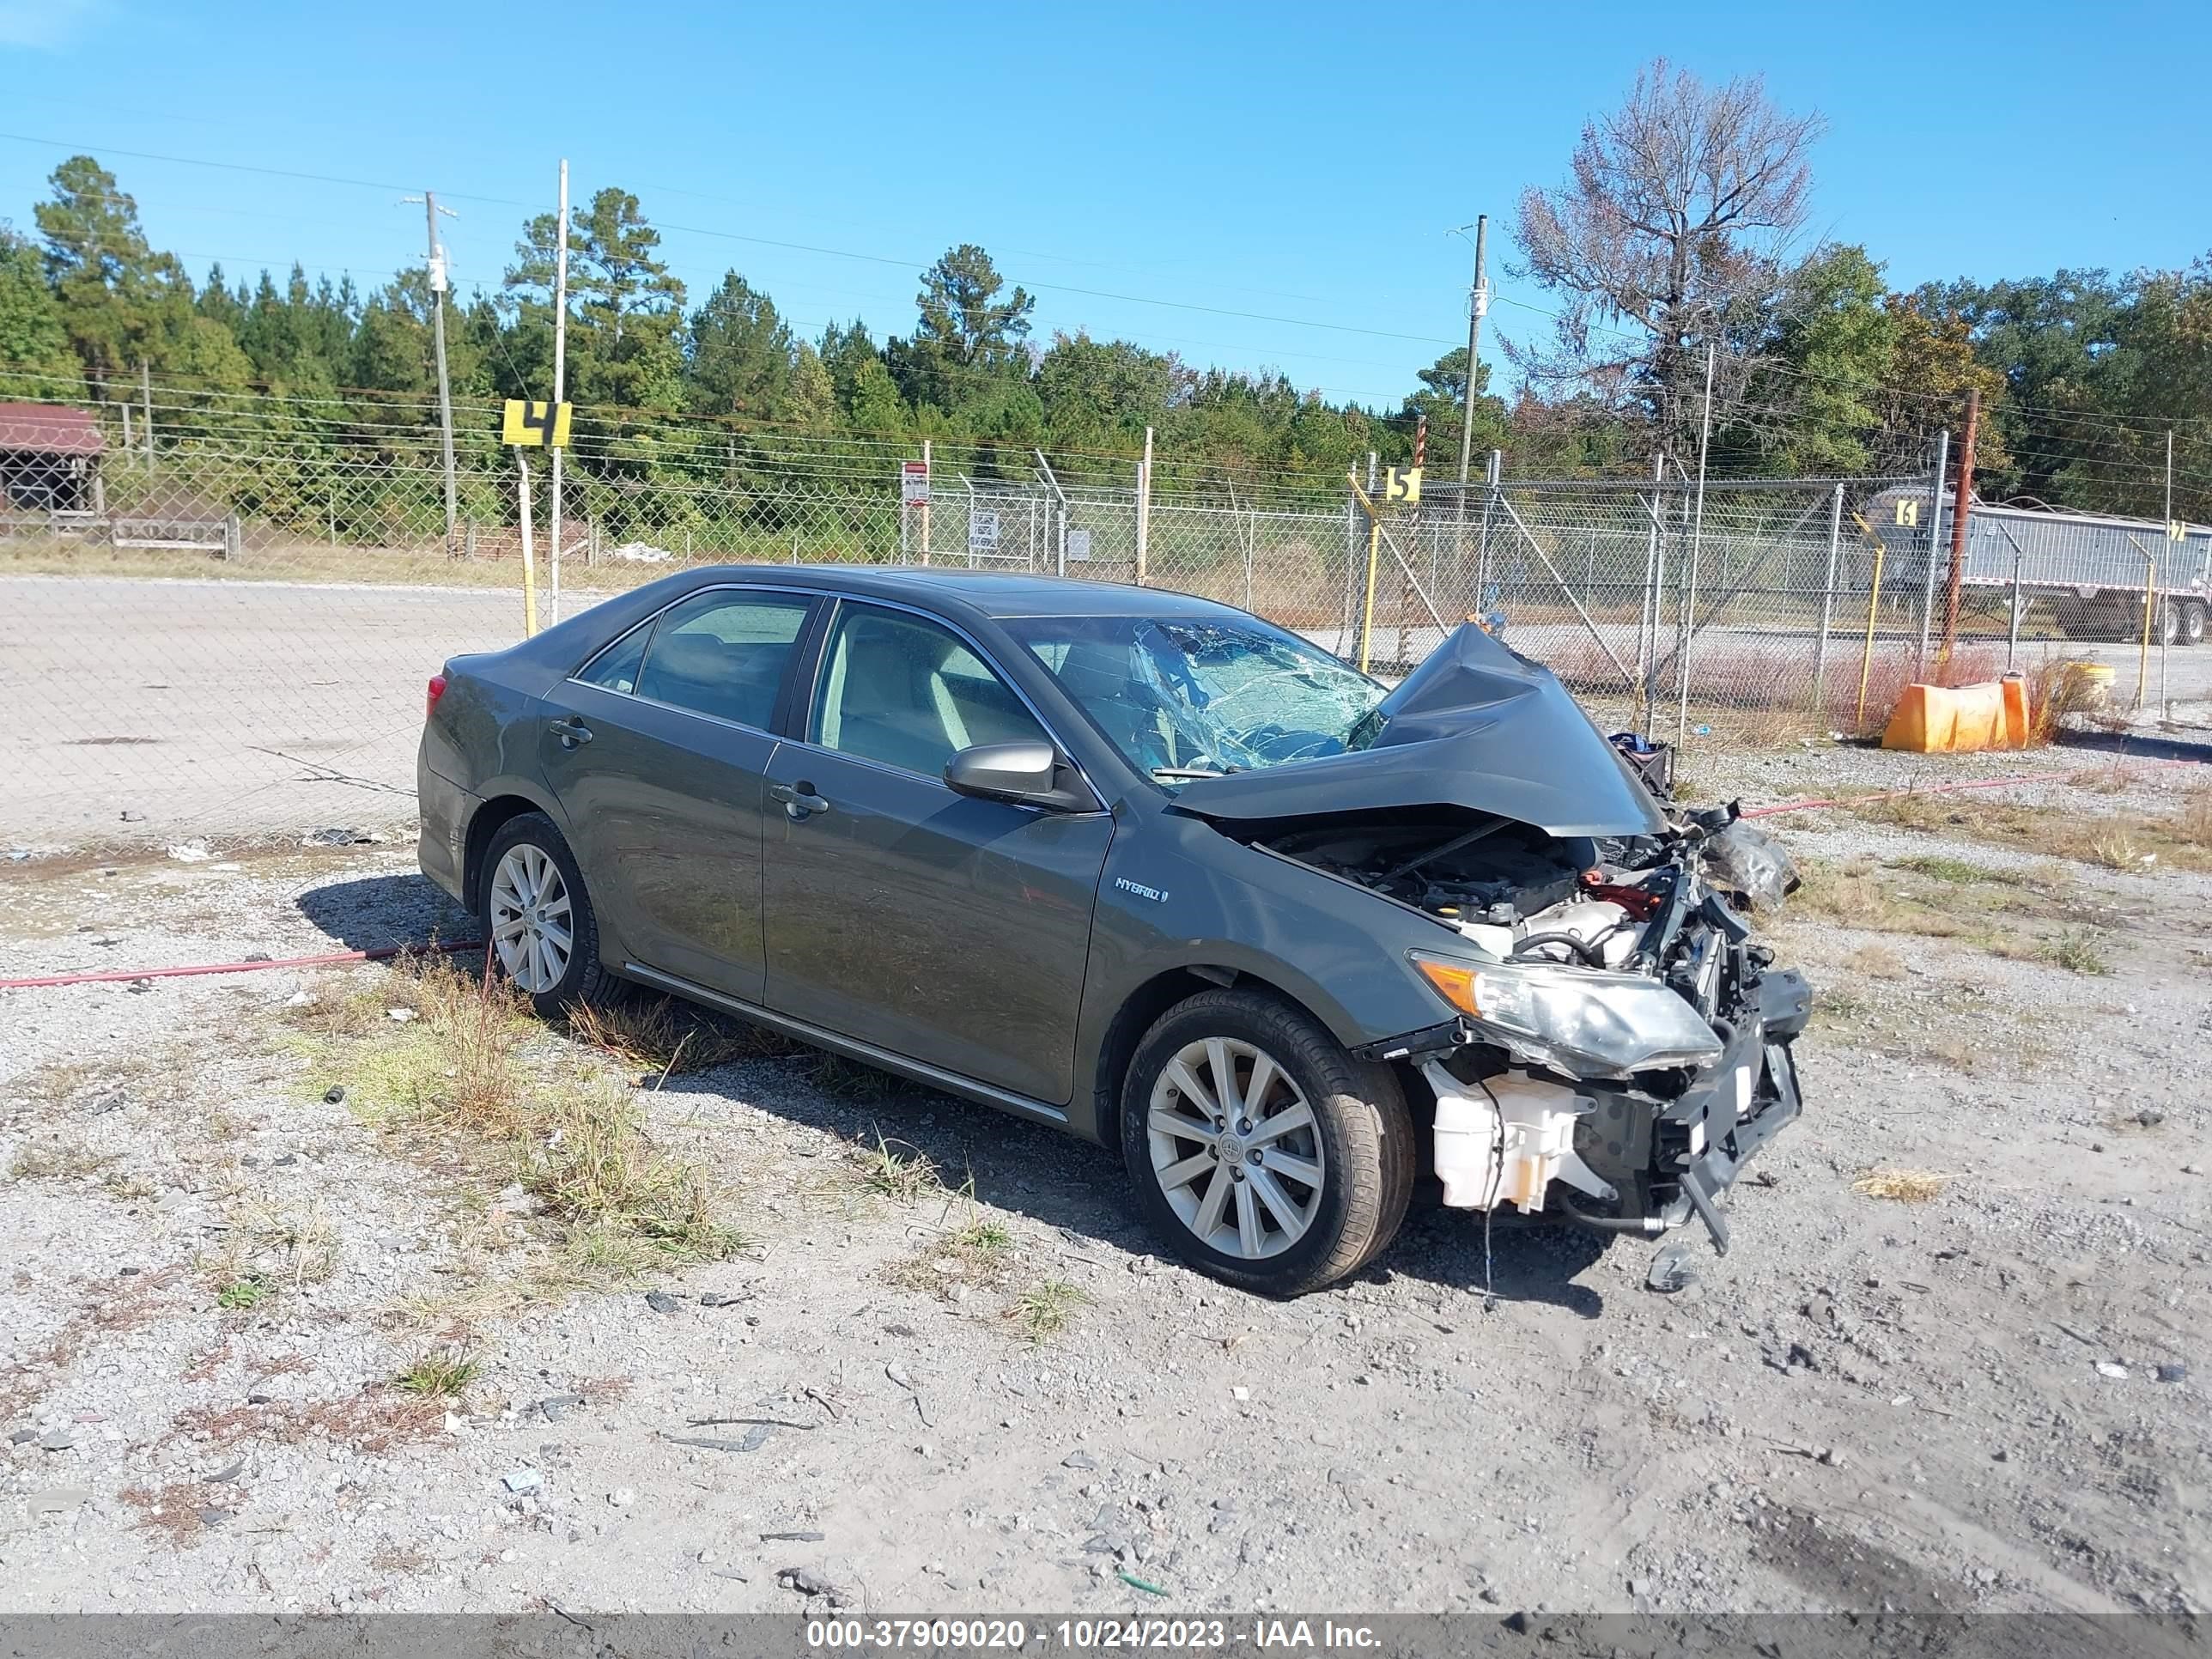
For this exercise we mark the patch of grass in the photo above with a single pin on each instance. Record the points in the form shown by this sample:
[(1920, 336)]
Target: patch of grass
[(376, 1420), (2119, 840), (269, 1248), (976, 1255), (2192, 824), (2077, 950), (660, 1037), (56, 1082), (595, 1170), (849, 1080), (1875, 962), (242, 1293), (1902, 1185), (125, 1188), (2118, 850), (1043, 1310), (1937, 868), (441, 1374), (897, 1170), (455, 1082), (1855, 895), (183, 1510), (56, 1160)]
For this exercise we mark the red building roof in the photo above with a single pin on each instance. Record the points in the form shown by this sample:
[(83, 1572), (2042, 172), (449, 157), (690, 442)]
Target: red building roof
[(50, 430)]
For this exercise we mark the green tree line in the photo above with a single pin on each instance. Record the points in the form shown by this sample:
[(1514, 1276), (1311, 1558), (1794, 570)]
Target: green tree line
[(1835, 373)]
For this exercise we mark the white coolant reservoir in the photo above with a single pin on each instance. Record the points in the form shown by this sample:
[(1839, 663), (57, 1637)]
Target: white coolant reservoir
[(1509, 1152), (1499, 941)]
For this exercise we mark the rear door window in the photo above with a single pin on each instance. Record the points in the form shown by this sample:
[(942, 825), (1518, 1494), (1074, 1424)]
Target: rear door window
[(723, 653)]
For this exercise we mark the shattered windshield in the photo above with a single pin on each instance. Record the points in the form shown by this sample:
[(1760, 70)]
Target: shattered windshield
[(1197, 697)]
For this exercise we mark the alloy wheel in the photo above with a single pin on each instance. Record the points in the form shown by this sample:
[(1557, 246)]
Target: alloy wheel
[(530, 926), (1236, 1148)]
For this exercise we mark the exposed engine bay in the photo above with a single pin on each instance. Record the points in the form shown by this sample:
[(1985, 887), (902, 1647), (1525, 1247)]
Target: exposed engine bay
[(1624, 1045)]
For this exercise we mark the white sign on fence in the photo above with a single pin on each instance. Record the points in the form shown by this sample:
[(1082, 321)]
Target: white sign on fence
[(914, 483), (1078, 544), (983, 531)]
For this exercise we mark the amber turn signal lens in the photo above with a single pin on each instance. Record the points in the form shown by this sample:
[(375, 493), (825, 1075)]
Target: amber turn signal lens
[(1456, 983)]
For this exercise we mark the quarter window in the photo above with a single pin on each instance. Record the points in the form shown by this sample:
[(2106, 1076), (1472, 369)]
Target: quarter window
[(908, 693), (723, 652), (616, 667)]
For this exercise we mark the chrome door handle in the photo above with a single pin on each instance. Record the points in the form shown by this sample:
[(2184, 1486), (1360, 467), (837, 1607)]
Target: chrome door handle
[(800, 802), (570, 730)]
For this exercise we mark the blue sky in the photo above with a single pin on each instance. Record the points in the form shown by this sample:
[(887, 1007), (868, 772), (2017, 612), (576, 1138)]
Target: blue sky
[(1297, 163)]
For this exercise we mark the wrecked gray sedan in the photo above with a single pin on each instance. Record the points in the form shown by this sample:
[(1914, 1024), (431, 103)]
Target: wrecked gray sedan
[(1148, 869)]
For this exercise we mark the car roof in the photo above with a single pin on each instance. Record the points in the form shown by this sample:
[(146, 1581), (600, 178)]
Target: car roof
[(997, 595)]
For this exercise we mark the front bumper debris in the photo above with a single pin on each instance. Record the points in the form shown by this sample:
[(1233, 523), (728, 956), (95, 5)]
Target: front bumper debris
[(1614, 1156)]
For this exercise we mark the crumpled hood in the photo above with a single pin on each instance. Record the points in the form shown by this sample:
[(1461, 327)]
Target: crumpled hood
[(1475, 725)]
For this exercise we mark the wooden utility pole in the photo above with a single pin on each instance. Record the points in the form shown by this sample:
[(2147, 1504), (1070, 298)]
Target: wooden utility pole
[(1478, 302), (1960, 497), (437, 275)]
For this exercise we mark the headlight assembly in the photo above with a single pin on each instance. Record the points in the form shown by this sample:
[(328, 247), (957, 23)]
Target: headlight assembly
[(1607, 1023)]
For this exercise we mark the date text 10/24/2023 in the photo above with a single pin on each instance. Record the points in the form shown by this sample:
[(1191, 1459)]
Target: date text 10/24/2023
[(1083, 1635)]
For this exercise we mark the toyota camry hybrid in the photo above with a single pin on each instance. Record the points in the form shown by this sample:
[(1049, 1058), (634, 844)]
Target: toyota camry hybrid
[(1147, 868)]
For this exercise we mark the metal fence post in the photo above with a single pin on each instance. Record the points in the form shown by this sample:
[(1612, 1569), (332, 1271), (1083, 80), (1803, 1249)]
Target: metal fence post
[(1827, 605), (1491, 474), (2012, 635), (1934, 541)]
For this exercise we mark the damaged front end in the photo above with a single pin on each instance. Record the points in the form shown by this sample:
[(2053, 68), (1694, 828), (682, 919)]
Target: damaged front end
[(1616, 1045), (1619, 1046)]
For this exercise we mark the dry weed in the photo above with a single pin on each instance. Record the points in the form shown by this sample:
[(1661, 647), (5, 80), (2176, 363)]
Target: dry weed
[(1876, 962), (1902, 1185), (658, 1037)]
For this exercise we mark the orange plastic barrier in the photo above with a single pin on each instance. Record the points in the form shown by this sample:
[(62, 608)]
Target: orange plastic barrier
[(1943, 720)]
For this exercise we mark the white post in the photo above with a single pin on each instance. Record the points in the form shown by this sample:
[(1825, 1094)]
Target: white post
[(1143, 524), (2164, 707), (1828, 601), (529, 554), (560, 363), (1697, 529), (927, 483)]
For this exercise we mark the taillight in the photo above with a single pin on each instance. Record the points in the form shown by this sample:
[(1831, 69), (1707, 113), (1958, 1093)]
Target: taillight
[(437, 690)]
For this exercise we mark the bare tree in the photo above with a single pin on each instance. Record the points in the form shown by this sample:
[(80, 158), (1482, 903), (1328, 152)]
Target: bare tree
[(1672, 231)]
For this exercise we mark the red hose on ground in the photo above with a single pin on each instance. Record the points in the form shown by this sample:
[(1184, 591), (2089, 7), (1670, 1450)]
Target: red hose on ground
[(123, 975)]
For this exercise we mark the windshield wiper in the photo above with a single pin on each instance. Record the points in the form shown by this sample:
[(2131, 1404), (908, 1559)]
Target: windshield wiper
[(1183, 774)]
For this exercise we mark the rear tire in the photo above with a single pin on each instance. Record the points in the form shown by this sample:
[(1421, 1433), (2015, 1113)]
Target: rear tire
[(538, 917), (1294, 1184), (2193, 621)]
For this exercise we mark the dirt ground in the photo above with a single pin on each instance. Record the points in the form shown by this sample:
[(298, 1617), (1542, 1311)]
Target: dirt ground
[(841, 1340)]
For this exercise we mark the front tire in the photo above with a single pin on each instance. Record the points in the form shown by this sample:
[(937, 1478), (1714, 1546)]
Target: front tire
[(1261, 1152), (538, 916)]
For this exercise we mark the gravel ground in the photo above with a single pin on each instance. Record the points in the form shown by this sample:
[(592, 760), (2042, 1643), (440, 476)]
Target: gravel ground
[(1993, 1399)]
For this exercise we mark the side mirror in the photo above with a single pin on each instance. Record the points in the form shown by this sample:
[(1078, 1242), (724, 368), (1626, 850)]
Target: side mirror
[(1028, 772)]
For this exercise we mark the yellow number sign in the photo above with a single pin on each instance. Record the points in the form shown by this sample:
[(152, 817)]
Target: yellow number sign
[(1403, 485), (1908, 511), (535, 425)]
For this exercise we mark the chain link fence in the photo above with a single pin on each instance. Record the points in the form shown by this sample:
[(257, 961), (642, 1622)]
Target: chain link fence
[(219, 612)]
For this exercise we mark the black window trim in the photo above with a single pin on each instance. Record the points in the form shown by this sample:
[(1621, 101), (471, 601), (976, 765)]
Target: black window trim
[(801, 722), (800, 642)]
